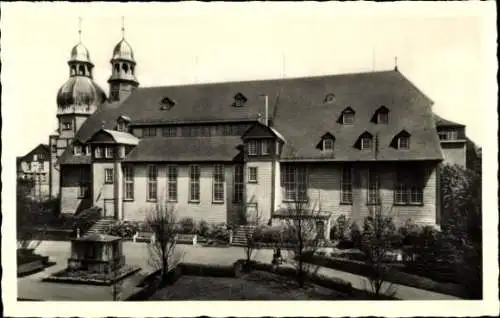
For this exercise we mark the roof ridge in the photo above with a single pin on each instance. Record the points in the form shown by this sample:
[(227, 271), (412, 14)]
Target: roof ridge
[(274, 79)]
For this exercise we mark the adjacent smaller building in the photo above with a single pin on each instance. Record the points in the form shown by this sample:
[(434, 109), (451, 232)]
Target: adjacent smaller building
[(35, 167)]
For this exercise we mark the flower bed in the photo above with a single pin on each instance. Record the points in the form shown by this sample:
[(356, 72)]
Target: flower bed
[(84, 277)]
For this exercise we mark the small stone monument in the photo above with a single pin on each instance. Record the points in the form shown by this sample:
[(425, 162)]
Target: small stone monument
[(97, 253), (95, 259)]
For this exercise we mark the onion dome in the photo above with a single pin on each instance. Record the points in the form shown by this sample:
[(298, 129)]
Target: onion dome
[(79, 53), (123, 51), (80, 90)]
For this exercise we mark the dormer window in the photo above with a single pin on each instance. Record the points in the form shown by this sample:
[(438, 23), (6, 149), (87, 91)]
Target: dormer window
[(381, 116), (404, 142), (401, 140), (347, 117), (122, 123), (239, 100), (167, 104), (365, 141), (327, 143)]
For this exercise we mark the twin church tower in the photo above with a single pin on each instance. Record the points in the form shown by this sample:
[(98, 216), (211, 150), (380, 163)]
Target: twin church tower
[(80, 97)]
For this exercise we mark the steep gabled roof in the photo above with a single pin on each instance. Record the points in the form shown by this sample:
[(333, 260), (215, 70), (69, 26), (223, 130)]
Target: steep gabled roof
[(442, 122), (118, 137), (41, 149), (302, 119), (192, 149), (297, 110), (259, 130)]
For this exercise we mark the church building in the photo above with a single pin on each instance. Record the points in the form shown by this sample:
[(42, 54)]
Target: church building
[(219, 151)]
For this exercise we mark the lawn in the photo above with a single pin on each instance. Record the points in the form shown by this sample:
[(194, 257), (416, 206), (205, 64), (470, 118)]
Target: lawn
[(257, 285)]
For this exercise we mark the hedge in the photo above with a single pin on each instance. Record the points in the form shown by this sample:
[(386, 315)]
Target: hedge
[(395, 276)]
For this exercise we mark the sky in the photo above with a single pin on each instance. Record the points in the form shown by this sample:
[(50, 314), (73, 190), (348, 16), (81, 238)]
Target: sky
[(443, 52)]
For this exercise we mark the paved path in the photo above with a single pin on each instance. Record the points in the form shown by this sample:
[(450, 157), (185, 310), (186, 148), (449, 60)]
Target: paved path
[(31, 287)]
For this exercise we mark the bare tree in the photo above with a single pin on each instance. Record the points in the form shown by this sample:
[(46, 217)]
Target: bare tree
[(117, 284), (162, 221), (376, 243), (300, 232)]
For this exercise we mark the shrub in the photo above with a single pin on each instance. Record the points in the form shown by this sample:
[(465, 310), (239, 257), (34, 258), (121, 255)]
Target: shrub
[(273, 234), (341, 228), (218, 232), (203, 228), (410, 232), (355, 235), (86, 218), (123, 229), (187, 226)]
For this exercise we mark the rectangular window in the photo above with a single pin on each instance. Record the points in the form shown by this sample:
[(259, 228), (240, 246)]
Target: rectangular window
[(67, 125), (122, 151), (172, 183), (443, 135), (346, 186), (149, 131), (348, 118), (294, 183), (206, 131), (239, 185), (43, 177), (108, 152), (87, 150), (169, 131), (77, 150), (373, 187), (83, 190), (227, 130), (265, 147), (404, 142), (252, 174), (452, 135), (383, 117), (98, 152), (54, 148), (218, 183), (108, 175), (327, 144), (252, 148), (128, 179), (122, 126), (152, 191), (194, 183), (366, 143), (42, 166), (408, 189)]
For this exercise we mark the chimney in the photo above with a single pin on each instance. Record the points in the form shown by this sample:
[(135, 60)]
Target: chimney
[(266, 117)]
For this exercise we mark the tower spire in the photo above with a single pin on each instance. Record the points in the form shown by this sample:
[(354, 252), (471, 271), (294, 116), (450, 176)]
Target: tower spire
[(395, 63), (79, 29), (123, 27)]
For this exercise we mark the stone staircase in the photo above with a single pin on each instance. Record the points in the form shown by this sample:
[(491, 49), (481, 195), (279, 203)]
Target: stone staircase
[(100, 226), (240, 234)]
